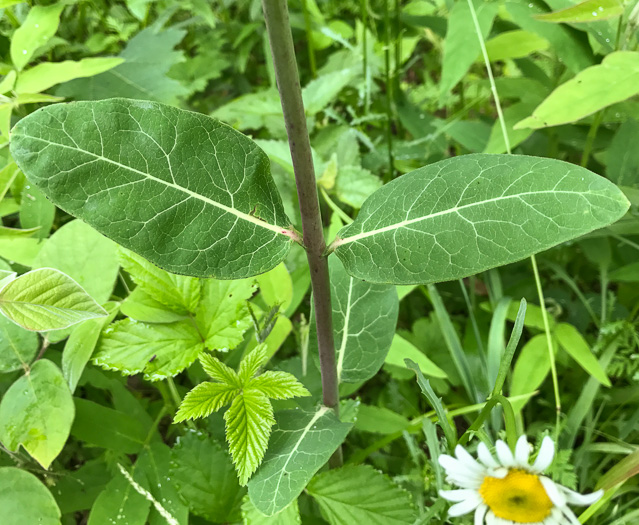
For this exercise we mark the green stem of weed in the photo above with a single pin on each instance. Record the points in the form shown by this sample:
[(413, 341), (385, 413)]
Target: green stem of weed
[(590, 138), (389, 92), (177, 400), (309, 39)]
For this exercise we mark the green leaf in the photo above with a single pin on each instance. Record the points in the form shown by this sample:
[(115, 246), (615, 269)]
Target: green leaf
[(401, 349), (364, 320), (222, 315), (531, 368), (20, 250), (248, 427), (361, 494), (43, 76), (120, 504), (467, 214), (25, 499), (179, 293), (595, 88), (36, 211), (588, 11), (514, 44), (623, 156), (287, 516), (251, 364), (142, 307), (17, 346), (157, 350), (574, 344), (209, 211), (276, 287), (205, 477), (323, 90), (36, 412), (205, 399), (379, 420), (219, 371), (148, 56), (83, 254), (278, 385), (36, 30), (355, 184), (300, 445), (47, 299)]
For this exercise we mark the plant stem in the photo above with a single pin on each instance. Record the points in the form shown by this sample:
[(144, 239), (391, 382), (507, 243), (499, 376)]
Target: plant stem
[(590, 138), (389, 92), (279, 32)]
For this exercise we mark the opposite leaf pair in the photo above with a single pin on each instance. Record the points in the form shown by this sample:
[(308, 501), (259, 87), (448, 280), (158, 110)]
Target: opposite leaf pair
[(249, 419)]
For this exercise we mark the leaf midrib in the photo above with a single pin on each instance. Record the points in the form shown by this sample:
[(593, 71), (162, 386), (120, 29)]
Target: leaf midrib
[(241, 215)]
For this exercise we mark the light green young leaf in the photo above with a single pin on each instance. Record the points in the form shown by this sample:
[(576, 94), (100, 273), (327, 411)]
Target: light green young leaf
[(179, 293), (574, 344), (512, 115), (401, 349), (278, 385), (36, 211), (301, 444), (157, 350), (222, 315), (140, 306), (21, 250), (364, 320), (8, 82), (205, 477), (276, 287), (219, 371), (531, 368), (467, 214), (39, 26), (205, 399), (287, 516), (25, 499), (595, 88), (37, 412), (514, 44), (588, 11), (86, 256), (250, 365), (207, 211), (248, 427), (47, 74), (361, 494), (47, 299), (17, 346)]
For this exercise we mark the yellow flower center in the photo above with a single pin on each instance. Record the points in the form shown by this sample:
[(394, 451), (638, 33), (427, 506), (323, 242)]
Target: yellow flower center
[(519, 497)]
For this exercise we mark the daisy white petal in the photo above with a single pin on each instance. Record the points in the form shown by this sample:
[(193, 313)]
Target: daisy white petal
[(522, 452), (545, 456), (571, 516), (468, 460), (491, 519), (574, 498), (485, 456), (457, 495), (504, 454), (480, 514), (459, 509), (555, 495)]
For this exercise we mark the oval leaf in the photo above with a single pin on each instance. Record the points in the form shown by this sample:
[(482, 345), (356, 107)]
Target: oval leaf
[(183, 190), (588, 11), (47, 299), (25, 499), (467, 214)]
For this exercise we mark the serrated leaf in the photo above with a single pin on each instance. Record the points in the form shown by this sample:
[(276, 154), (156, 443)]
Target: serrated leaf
[(36, 412), (140, 306), (594, 88), (209, 205), (17, 346), (252, 362), (361, 494), (38, 27), (47, 299), (364, 320), (288, 516), (467, 214), (588, 11), (205, 399), (248, 427), (278, 385), (300, 445), (223, 316), (157, 350), (204, 475), (219, 371), (25, 499)]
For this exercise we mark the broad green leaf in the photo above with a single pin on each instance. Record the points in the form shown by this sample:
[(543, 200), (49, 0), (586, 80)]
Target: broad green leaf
[(25, 499), (248, 427), (278, 385), (157, 350), (36, 412), (222, 315), (531, 368), (276, 287), (514, 44), (467, 214), (20, 250), (148, 56), (300, 445), (36, 211), (142, 307), (120, 504), (81, 344), (47, 74), (179, 293), (361, 494), (461, 46), (209, 211), (204, 475), (105, 427), (287, 516), (379, 420), (205, 399), (86, 256), (595, 88), (576, 346), (39, 26), (17, 346), (623, 155), (364, 320), (47, 299), (588, 11), (401, 349)]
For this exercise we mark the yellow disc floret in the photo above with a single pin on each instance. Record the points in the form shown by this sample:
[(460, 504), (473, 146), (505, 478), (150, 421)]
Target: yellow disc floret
[(519, 497)]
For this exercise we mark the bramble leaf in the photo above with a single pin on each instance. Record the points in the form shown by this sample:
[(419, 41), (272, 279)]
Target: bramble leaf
[(205, 399), (278, 385), (219, 371)]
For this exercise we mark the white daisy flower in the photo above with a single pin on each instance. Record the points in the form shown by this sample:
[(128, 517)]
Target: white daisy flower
[(508, 490)]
